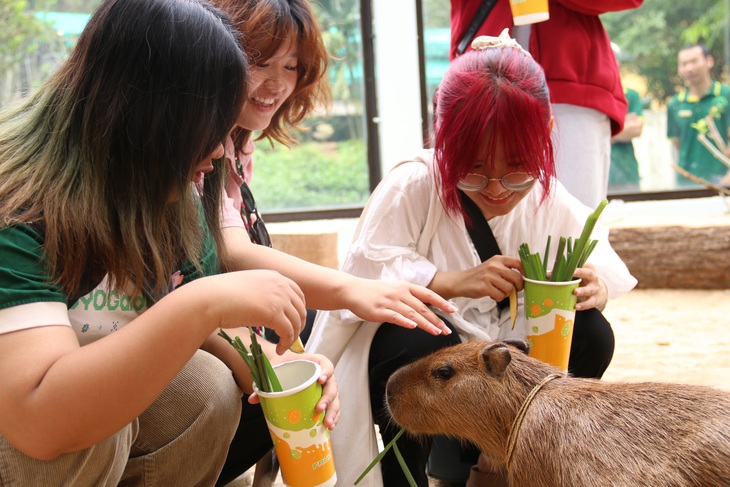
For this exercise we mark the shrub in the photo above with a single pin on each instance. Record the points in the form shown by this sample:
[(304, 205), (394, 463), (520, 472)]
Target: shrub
[(310, 175)]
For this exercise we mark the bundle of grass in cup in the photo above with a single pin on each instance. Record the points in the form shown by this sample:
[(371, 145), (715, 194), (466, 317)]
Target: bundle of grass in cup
[(570, 255), (261, 370)]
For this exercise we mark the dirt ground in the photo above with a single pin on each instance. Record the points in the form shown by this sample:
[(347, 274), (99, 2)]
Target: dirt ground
[(671, 336)]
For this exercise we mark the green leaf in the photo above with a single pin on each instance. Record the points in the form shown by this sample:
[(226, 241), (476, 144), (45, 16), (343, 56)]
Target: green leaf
[(404, 467), (545, 256), (268, 370), (380, 457), (587, 252), (257, 362), (583, 240)]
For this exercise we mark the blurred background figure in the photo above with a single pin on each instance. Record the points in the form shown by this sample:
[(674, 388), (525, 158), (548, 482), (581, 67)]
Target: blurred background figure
[(698, 118), (623, 176)]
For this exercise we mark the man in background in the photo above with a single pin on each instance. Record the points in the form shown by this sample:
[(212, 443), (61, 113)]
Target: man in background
[(585, 87), (698, 118)]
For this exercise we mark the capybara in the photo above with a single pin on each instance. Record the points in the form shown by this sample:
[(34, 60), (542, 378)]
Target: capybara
[(574, 432)]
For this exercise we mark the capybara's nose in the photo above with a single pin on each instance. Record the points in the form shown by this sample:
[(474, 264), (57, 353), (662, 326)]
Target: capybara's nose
[(390, 391)]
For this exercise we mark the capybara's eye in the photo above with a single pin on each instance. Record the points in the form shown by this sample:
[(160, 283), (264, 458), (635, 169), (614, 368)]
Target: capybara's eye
[(444, 373)]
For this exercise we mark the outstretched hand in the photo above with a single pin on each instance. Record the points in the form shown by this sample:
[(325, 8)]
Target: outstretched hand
[(398, 302)]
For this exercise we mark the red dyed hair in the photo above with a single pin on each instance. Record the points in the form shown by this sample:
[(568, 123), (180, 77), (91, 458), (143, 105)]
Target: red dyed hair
[(489, 97)]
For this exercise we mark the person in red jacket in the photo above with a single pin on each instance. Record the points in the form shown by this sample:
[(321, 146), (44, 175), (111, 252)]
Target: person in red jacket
[(583, 77)]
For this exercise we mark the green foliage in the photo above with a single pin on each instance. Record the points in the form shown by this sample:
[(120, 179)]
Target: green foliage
[(340, 24), (651, 36), (399, 456), (311, 175), (570, 255), (22, 33), (436, 13)]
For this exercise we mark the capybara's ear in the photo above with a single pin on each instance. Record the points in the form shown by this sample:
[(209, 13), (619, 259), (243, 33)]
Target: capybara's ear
[(496, 357), (519, 345)]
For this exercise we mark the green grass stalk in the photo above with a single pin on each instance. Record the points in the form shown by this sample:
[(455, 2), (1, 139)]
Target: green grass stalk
[(580, 244), (380, 457), (262, 372)]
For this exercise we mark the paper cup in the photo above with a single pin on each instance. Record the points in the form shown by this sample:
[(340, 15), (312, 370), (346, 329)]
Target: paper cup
[(549, 317), (529, 11), (301, 440)]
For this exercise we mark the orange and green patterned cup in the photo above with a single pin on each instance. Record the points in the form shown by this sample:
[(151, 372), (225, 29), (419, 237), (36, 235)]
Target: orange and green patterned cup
[(301, 440), (550, 313)]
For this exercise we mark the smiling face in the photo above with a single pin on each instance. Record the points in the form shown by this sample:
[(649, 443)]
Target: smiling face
[(272, 81), (495, 199), (694, 66)]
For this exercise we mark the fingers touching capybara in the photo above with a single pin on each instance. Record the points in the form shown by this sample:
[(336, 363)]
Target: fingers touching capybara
[(571, 431)]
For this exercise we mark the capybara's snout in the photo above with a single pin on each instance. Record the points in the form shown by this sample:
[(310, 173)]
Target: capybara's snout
[(396, 393)]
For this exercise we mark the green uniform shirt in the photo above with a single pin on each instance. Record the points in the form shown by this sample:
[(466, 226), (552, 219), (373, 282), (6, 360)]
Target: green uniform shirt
[(624, 173), (683, 111), (24, 281)]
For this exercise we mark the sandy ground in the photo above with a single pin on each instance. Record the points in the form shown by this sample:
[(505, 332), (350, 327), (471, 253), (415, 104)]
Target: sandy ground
[(671, 336)]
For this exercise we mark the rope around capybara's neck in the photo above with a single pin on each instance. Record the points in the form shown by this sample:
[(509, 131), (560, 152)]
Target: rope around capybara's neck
[(515, 428)]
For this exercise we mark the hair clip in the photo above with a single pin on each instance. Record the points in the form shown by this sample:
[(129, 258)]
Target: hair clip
[(504, 40)]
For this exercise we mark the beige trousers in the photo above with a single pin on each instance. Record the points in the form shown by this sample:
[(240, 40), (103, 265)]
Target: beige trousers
[(181, 440)]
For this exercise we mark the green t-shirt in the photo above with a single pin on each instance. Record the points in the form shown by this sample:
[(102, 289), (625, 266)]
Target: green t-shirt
[(24, 282), (624, 172), (683, 111)]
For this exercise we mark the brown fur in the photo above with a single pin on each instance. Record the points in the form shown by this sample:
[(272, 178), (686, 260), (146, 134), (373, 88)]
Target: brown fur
[(576, 432)]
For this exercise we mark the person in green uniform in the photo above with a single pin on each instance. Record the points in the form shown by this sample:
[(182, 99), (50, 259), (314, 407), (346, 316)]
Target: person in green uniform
[(687, 117), (624, 174)]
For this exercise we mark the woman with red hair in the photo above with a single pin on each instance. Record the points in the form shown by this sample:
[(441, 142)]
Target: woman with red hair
[(490, 175)]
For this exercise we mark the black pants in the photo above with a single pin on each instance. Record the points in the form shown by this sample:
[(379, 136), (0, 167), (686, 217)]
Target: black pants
[(252, 439), (590, 354)]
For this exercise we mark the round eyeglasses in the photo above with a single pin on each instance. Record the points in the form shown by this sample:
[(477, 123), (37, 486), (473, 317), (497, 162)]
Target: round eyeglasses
[(514, 181)]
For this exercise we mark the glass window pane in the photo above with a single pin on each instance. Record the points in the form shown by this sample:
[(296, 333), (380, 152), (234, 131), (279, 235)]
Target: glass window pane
[(36, 36), (649, 39), (436, 39), (329, 166)]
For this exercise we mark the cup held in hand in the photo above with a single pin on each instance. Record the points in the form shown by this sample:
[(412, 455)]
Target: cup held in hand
[(301, 440), (549, 318)]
